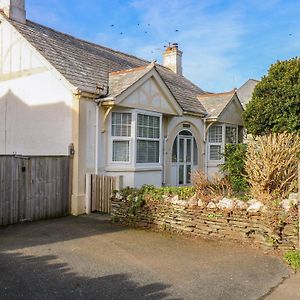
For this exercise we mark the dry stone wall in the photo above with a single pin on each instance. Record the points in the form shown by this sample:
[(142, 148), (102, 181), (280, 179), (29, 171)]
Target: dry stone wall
[(260, 228)]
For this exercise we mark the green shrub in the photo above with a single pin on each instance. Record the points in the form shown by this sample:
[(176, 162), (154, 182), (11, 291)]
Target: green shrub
[(234, 167), (275, 104), (292, 257), (137, 197)]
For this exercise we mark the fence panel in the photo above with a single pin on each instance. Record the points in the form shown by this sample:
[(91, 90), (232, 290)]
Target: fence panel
[(33, 188), (102, 190)]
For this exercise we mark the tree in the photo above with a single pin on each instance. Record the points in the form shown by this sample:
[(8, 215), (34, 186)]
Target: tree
[(275, 104)]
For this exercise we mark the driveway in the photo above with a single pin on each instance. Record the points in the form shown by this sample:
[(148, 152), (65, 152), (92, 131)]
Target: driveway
[(88, 258)]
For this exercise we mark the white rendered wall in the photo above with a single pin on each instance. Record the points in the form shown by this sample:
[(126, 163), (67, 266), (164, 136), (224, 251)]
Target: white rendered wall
[(35, 106)]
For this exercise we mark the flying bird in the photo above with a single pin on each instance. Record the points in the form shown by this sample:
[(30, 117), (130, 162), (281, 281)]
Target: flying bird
[(112, 25), (177, 30), (121, 33)]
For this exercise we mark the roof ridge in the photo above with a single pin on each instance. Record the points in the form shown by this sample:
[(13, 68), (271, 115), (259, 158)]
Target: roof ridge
[(216, 94)]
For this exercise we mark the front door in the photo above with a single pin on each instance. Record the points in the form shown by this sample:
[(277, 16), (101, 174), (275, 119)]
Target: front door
[(185, 160)]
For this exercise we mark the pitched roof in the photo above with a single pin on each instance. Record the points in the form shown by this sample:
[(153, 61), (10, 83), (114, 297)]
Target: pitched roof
[(85, 64), (216, 103), (121, 80), (246, 90)]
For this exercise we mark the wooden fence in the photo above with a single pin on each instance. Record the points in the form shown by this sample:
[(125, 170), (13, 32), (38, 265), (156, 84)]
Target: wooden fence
[(102, 188), (34, 188)]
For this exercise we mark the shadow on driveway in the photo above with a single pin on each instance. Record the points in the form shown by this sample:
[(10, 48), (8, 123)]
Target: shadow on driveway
[(89, 258), (55, 230), (28, 277)]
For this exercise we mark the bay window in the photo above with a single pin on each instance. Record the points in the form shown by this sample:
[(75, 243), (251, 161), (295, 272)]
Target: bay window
[(121, 135), (231, 135), (138, 133), (215, 139), (148, 139), (218, 137)]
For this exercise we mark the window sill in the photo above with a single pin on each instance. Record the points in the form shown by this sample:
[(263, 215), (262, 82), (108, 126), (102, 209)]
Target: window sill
[(133, 169)]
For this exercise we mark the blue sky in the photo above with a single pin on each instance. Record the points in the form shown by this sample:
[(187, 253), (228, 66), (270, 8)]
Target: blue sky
[(225, 42)]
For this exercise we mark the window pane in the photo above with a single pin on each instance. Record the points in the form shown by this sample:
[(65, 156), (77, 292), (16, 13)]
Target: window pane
[(181, 150), (148, 126), (181, 174), (188, 150), (195, 150), (188, 173), (147, 151), (231, 135), (174, 151), (215, 134), (121, 124), (185, 132), (215, 152), (120, 151)]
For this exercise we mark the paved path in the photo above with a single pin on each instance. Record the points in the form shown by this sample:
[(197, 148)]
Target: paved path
[(88, 258), (288, 290)]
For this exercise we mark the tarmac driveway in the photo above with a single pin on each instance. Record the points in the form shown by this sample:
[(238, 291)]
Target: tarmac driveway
[(88, 258)]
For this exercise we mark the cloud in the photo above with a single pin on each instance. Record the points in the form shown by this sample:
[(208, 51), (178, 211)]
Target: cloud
[(225, 42), (207, 35)]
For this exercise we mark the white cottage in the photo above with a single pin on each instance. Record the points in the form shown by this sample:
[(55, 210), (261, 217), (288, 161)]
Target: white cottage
[(118, 114)]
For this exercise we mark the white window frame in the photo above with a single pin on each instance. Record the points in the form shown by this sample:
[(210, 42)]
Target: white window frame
[(120, 139), (153, 114), (223, 143), (133, 140), (215, 143)]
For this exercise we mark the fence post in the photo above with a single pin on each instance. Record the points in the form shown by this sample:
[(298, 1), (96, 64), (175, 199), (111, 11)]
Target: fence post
[(119, 183), (88, 193)]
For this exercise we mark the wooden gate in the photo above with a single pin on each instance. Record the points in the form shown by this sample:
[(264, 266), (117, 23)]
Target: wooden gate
[(101, 191), (34, 188)]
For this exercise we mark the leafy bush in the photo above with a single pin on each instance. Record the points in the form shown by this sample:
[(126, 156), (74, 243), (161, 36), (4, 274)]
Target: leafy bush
[(138, 197), (271, 165), (292, 257), (275, 104), (207, 189), (234, 167)]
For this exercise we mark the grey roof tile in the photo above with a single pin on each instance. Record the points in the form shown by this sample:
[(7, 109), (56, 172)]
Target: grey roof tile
[(85, 64), (216, 103)]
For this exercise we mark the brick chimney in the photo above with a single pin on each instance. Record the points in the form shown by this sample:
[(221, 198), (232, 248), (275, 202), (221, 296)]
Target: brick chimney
[(172, 58), (14, 9)]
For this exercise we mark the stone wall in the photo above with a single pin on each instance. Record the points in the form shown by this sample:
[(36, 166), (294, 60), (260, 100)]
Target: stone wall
[(258, 228)]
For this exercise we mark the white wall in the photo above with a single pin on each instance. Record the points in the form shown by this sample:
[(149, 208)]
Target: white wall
[(35, 106)]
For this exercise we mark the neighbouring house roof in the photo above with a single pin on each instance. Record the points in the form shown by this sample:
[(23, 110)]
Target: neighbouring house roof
[(246, 90), (216, 103), (85, 64)]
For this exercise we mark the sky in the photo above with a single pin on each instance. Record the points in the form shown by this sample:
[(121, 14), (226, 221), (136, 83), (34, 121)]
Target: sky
[(224, 42)]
